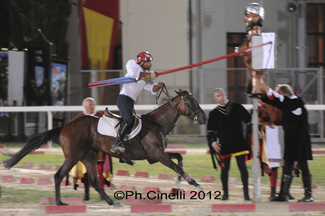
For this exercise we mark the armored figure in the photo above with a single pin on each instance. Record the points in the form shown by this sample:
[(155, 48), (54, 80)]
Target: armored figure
[(254, 16)]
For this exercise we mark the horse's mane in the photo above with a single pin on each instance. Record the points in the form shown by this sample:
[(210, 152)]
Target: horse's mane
[(163, 105)]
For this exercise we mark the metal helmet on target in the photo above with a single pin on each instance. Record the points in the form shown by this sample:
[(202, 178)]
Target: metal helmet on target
[(256, 8), (144, 56)]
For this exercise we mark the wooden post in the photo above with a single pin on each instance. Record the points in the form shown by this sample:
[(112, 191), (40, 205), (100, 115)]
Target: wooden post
[(256, 169)]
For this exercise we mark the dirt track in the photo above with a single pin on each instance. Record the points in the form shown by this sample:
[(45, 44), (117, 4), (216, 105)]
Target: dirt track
[(179, 207)]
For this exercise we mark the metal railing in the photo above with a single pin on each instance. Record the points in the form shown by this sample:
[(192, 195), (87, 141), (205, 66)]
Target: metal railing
[(50, 109), (202, 88)]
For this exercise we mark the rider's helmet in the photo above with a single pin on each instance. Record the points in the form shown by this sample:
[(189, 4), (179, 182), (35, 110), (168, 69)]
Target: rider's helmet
[(255, 8), (144, 56)]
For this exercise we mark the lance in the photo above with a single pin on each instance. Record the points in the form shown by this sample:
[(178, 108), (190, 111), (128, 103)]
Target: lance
[(123, 80)]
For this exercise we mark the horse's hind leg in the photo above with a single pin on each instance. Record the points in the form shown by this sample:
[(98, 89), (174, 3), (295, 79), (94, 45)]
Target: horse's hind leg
[(180, 164), (90, 162), (166, 160), (58, 177)]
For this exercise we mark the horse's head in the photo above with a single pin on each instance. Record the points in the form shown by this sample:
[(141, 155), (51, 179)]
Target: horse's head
[(190, 108)]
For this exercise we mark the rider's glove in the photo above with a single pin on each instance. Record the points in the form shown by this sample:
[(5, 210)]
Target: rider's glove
[(153, 74)]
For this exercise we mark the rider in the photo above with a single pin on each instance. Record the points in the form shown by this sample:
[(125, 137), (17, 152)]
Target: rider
[(138, 70), (254, 16)]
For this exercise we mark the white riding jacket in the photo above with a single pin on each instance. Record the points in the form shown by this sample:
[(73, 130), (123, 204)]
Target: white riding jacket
[(134, 89)]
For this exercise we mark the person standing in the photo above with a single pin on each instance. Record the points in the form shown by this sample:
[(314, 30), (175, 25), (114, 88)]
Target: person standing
[(270, 119), (313, 116), (297, 138), (79, 171), (139, 70), (225, 124)]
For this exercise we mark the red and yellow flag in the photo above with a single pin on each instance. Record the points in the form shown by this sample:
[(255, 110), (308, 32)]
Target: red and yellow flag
[(98, 25)]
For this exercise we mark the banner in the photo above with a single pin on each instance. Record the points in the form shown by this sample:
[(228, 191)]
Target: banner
[(59, 82), (4, 76), (16, 61), (264, 57), (99, 21), (59, 74), (38, 78)]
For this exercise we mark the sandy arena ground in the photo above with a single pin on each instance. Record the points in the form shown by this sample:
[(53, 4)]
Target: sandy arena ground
[(179, 207)]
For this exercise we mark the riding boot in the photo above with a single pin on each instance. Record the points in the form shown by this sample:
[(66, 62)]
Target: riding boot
[(225, 195), (289, 195), (284, 191), (246, 194), (308, 192), (273, 190), (119, 138)]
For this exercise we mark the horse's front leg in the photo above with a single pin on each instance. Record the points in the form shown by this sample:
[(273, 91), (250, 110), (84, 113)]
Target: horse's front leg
[(180, 164), (90, 161), (163, 158)]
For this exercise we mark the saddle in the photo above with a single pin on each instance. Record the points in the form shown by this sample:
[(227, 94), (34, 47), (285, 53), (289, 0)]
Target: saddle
[(109, 114), (109, 124)]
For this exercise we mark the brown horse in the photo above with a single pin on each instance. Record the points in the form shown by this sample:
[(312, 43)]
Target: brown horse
[(80, 141)]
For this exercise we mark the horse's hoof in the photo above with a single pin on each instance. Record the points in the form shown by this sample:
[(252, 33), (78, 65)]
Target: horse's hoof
[(130, 162), (199, 188), (178, 183), (116, 204)]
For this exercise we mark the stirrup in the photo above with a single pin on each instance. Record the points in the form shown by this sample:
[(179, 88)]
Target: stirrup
[(117, 148)]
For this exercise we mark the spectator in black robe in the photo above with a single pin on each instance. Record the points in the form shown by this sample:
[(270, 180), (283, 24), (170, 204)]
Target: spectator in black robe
[(225, 123), (296, 137)]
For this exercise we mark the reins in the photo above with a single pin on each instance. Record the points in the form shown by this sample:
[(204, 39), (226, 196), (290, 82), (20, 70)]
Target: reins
[(164, 90)]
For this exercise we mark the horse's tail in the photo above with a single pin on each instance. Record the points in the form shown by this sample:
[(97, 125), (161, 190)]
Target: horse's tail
[(33, 143)]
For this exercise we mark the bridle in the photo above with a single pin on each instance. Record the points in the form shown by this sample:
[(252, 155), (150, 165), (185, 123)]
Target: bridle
[(188, 105), (186, 102)]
